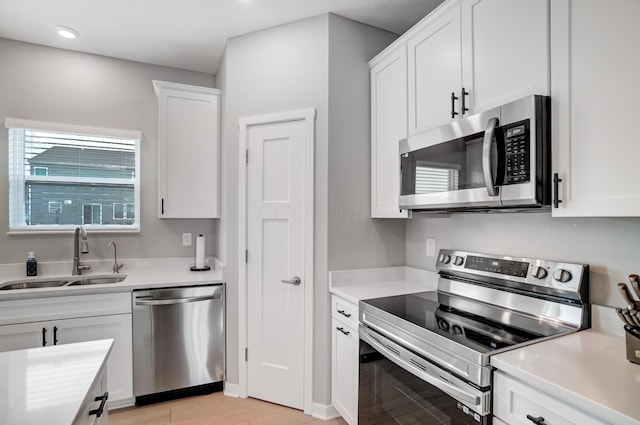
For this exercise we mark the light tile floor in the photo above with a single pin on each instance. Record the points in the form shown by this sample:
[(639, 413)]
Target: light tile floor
[(215, 409)]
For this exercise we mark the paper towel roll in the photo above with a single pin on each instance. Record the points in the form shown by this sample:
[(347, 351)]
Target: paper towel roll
[(200, 252)]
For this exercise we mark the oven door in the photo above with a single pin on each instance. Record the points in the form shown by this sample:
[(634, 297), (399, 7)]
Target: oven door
[(397, 386)]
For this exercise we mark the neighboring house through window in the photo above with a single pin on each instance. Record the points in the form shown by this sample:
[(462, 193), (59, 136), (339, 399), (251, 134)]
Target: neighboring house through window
[(432, 178), (86, 170)]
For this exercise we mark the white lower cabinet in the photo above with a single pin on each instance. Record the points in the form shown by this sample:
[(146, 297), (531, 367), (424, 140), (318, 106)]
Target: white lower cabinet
[(344, 362), (517, 403), (24, 335), (93, 410), (40, 330), (120, 363)]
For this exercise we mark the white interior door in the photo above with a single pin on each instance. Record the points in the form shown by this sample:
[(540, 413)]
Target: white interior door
[(276, 213)]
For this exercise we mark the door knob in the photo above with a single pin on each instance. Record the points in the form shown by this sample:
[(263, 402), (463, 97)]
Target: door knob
[(295, 281)]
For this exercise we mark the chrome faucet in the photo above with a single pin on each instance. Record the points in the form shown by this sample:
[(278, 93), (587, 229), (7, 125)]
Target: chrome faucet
[(79, 246), (116, 266)]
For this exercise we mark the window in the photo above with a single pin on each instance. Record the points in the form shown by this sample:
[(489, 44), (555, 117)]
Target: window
[(91, 213), (123, 211), (55, 207), (40, 171), (82, 168)]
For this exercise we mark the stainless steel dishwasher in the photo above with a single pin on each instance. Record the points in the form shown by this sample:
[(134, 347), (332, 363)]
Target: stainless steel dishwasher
[(178, 342)]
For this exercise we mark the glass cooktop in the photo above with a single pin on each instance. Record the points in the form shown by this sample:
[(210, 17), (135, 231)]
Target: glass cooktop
[(434, 312)]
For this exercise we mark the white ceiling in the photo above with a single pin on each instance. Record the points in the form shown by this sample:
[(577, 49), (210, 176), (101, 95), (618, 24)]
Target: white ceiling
[(186, 34)]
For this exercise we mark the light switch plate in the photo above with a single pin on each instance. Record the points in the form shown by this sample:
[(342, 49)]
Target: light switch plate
[(431, 247), (186, 239)]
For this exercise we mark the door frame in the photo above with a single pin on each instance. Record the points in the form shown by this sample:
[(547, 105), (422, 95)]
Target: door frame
[(308, 116)]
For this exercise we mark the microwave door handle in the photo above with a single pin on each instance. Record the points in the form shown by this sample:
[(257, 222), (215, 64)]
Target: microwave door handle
[(489, 134)]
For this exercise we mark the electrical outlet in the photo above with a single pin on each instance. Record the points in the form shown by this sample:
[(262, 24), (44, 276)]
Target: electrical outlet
[(431, 247), (186, 239)]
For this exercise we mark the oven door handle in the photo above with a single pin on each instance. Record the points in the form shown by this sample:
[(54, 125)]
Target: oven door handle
[(489, 135), (424, 374)]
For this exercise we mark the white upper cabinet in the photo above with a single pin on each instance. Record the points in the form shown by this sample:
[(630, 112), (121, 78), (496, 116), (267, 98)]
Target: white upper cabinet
[(472, 55), (435, 69), (465, 57), (388, 127), (505, 51), (188, 151), (595, 63)]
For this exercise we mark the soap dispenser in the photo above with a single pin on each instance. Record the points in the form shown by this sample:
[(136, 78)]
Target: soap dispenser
[(32, 264)]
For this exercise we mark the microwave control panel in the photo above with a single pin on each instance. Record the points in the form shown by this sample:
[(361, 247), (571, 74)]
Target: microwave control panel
[(517, 149)]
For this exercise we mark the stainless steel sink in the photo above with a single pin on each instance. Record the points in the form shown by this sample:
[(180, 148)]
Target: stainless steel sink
[(97, 280), (30, 284), (70, 281)]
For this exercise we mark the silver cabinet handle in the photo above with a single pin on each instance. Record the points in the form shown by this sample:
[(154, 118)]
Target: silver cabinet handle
[(169, 301), (486, 156), (295, 281)]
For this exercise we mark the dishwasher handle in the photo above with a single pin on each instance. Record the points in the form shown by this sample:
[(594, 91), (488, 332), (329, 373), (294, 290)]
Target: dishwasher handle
[(169, 301)]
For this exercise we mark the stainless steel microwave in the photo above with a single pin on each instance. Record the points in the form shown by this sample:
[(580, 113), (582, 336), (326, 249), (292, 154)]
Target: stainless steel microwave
[(496, 159)]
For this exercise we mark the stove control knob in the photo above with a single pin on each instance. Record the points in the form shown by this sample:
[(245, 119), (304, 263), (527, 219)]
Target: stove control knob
[(562, 275), (457, 330), (540, 272), (444, 258), (443, 324), (457, 260)]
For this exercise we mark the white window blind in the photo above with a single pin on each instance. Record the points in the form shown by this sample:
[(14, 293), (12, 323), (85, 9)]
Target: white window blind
[(435, 179), (72, 176)]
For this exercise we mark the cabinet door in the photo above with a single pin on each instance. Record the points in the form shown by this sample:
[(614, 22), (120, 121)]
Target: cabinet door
[(92, 403), (188, 151), (344, 371), (388, 127), (435, 69), (119, 365), (513, 401), (25, 335), (505, 51), (595, 63)]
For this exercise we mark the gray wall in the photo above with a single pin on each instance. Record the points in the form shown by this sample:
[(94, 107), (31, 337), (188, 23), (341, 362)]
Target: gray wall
[(611, 246), (319, 62), (48, 84), (355, 240)]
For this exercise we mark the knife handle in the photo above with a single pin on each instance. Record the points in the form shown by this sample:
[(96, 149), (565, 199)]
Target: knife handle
[(621, 316), (634, 318), (634, 280), (626, 296)]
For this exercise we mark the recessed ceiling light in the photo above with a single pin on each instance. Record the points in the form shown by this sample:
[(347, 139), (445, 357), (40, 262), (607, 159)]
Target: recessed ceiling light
[(67, 32)]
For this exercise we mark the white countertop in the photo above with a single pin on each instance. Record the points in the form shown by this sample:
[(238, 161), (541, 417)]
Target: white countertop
[(141, 273), (362, 284), (47, 385), (587, 369)]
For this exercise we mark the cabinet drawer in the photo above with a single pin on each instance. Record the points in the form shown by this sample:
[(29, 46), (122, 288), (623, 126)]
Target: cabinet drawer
[(345, 311), (514, 400), (39, 309)]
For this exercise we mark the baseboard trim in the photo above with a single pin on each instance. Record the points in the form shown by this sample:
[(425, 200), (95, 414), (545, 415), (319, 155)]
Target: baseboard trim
[(127, 402), (324, 411), (231, 390)]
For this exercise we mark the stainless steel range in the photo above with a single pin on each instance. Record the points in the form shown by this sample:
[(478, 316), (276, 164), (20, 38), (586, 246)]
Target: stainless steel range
[(424, 358)]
